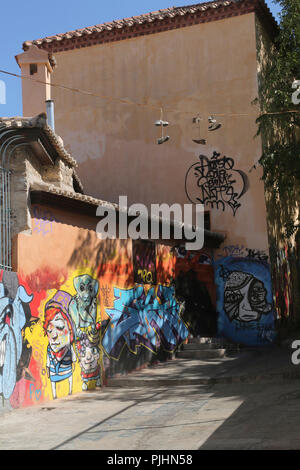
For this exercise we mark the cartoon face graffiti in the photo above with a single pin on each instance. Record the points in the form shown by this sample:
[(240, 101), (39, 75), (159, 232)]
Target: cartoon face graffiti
[(83, 306), (58, 332), (245, 297), (12, 321), (89, 356), (86, 288)]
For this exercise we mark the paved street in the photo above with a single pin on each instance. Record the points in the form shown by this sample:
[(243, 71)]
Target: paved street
[(250, 400), (231, 416)]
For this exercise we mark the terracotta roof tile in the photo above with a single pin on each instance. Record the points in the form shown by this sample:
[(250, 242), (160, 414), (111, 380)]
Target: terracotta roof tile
[(199, 13)]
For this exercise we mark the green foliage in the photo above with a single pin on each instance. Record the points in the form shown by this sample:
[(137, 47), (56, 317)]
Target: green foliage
[(279, 124)]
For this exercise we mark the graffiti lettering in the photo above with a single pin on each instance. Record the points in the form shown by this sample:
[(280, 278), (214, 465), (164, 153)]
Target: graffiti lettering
[(146, 276), (216, 183), (241, 251), (34, 392), (144, 319), (144, 262), (42, 221), (256, 254)]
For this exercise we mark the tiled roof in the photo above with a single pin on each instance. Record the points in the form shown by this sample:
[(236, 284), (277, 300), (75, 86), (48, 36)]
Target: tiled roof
[(52, 189), (37, 190), (149, 23)]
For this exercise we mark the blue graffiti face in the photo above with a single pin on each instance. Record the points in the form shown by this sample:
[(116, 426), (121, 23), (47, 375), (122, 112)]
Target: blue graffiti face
[(245, 297), (12, 320), (244, 301), (140, 318)]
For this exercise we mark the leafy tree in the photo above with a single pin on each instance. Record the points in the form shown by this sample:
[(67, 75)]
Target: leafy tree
[(279, 123)]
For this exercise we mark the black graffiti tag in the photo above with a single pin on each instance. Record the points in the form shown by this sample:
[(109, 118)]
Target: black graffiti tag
[(216, 183)]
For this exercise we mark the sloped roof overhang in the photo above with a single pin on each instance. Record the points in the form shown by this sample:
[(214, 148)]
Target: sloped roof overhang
[(155, 22), (86, 205)]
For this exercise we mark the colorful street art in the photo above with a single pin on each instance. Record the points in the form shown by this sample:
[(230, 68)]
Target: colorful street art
[(83, 306), (244, 301), (60, 332), (144, 318), (53, 341), (144, 262), (12, 322)]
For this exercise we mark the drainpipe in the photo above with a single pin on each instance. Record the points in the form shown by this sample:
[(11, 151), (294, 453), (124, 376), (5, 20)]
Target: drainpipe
[(50, 113)]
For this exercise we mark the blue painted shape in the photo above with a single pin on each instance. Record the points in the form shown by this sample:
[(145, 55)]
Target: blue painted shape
[(245, 307), (144, 319)]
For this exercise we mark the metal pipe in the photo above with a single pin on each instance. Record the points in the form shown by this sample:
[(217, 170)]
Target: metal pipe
[(50, 113)]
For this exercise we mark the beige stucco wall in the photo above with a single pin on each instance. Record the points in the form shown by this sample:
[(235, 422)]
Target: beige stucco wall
[(206, 69)]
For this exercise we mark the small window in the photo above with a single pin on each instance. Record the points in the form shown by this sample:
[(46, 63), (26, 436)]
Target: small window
[(33, 69), (144, 261)]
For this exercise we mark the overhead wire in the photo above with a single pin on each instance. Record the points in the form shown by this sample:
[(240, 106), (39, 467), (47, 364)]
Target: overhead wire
[(133, 103)]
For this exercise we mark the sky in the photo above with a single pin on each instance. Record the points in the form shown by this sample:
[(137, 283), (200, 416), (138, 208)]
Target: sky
[(32, 19)]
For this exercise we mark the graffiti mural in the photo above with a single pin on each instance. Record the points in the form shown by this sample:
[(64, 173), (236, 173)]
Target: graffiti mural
[(88, 347), (190, 256), (244, 301), (63, 331), (240, 251), (60, 332), (42, 221), (12, 323), (144, 262), (83, 306), (144, 318), (216, 183)]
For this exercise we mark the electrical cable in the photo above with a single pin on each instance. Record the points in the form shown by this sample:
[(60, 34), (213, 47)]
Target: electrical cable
[(132, 103)]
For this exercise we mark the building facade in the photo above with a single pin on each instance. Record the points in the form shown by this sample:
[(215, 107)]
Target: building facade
[(92, 308)]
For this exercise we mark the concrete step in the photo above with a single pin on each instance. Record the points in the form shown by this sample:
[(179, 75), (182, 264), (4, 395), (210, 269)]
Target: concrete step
[(199, 340), (200, 346), (201, 353), (133, 382)]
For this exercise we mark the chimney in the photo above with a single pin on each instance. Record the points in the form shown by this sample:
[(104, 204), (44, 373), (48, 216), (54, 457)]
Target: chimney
[(50, 113), (34, 64)]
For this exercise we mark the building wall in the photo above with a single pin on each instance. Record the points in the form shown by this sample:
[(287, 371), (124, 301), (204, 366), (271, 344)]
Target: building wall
[(91, 300), (128, 324), (210, 69)]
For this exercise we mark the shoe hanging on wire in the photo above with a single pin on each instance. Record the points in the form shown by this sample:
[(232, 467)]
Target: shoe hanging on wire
[(199, 140), (161, 123), (213, 124)]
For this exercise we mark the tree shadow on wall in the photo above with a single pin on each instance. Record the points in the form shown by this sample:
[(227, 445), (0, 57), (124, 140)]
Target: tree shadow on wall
[(110, 256)]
